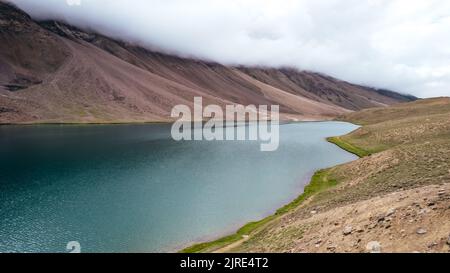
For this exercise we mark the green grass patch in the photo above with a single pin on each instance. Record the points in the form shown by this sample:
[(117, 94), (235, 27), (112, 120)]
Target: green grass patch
[(319, 182), (224, 241), (348, 146)]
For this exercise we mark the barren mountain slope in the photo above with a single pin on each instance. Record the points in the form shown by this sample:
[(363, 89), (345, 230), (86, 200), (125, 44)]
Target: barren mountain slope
[(53, 72), (328, 89)]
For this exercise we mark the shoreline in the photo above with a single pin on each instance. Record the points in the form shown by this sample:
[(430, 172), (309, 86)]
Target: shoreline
[(233, 228), (84, 123), (281, 121), (318, 182), (348, 147)]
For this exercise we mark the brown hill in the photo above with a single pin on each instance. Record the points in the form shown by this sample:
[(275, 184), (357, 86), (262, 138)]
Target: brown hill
[(53, 72)]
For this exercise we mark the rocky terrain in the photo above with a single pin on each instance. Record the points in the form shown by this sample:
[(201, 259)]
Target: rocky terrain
[(396, 198), (415, 220), (56, 73)]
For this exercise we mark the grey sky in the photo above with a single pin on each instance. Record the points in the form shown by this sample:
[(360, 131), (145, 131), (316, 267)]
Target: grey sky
[(402, 45)]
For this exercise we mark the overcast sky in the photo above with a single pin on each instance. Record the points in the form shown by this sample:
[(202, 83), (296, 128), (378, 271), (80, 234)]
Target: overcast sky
[(402, 45)]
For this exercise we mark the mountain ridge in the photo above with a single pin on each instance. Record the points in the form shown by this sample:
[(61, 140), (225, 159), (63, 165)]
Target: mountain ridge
[(57, 73)]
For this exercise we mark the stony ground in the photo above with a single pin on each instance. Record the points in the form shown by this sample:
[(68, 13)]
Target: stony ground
[(395, 200), (414, 220)]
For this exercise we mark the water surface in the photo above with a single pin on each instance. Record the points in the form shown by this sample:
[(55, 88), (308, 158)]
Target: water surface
[(130, 188)]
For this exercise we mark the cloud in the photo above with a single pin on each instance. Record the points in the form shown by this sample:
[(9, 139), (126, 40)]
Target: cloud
[(397, 44)]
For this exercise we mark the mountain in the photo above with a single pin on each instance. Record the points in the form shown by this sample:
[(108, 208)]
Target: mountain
[(53, 72)]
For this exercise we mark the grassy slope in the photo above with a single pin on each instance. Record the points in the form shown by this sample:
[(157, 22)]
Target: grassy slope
[(410, 147), (404, 146), (348, 146)]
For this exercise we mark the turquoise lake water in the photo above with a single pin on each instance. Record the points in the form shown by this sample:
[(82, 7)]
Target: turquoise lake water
[(131, 188)]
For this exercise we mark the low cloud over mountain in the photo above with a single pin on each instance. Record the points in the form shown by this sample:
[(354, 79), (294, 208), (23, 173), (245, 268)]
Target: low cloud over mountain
[(55, 72), (395, 44)]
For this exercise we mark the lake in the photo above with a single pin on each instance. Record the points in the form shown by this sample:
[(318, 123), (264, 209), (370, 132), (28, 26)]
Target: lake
[(131, 188)]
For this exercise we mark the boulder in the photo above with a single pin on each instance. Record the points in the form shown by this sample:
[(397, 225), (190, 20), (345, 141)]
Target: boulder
[(390, 212), (373, 247), (421, 231), (347, 230)]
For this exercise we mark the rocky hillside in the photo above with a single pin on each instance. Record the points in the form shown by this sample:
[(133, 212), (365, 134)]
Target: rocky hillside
[(53, 72), (396, 198)]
